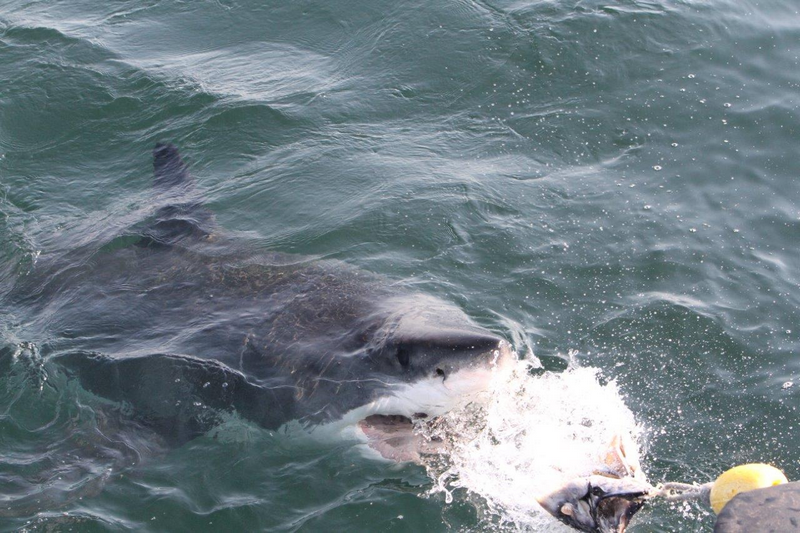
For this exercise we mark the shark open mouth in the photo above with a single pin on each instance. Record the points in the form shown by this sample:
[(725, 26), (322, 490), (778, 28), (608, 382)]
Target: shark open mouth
[(394, 438), (395, 426)]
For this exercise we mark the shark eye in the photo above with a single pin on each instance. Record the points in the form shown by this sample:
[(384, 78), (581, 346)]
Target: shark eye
[(403, 356)]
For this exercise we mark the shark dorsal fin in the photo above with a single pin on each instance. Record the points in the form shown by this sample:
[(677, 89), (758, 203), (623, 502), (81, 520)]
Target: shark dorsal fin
[(169, 170), (181, 213)]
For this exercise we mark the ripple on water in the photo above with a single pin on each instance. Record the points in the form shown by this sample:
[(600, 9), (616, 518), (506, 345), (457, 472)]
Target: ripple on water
[(501, 155)]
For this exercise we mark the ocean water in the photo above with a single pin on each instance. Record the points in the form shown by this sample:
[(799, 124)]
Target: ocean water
[(609, 185)]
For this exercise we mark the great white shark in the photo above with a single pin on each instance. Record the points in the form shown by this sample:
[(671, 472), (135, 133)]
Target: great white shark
[(178, 320)]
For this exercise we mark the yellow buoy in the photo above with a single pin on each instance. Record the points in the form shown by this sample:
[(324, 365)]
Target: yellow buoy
[(741, 479)]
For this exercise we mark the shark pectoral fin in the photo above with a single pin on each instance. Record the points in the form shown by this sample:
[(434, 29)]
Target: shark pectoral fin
[(78, 464), (178, 397)]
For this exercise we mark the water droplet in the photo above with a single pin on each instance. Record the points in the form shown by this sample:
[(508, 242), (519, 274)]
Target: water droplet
[(674, 145), (691, 76), (206, 384), (787, 385), (727, 104), (693, 230), (656, 167)]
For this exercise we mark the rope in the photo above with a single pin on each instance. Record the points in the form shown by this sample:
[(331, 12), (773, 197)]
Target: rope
[(676, 492)]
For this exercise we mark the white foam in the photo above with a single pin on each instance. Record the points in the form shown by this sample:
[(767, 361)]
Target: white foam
[(531, 435)]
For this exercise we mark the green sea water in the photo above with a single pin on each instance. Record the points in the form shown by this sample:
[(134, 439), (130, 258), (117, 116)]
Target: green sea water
[(615, 180)]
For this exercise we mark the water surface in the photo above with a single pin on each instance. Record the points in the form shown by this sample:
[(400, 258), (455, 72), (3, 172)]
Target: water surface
[(613, 179)]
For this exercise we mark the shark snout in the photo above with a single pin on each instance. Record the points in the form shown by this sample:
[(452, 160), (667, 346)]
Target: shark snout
[(433, 337), (475, 353), (443, 353), (466, 341)]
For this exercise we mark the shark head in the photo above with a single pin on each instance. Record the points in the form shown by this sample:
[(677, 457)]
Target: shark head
[(433, 354), (418, 358)]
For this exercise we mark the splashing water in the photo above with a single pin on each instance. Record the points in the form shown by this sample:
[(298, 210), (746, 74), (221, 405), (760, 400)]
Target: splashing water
[(531, 435)]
